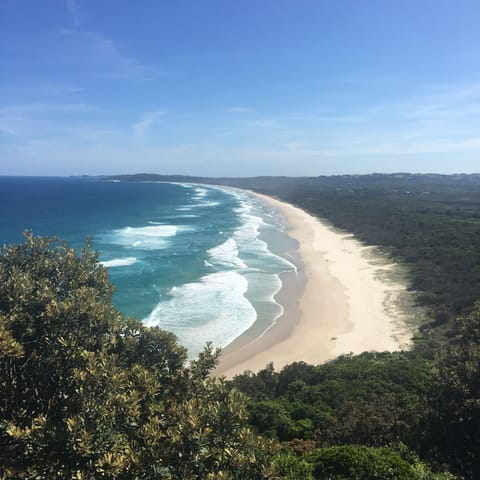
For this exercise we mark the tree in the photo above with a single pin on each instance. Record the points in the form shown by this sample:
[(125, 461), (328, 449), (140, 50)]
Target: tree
[(86, 393), (454, 421), (358, 462)]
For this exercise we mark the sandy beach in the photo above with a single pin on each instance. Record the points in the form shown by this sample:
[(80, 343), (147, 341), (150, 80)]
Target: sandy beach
[(347, 298)]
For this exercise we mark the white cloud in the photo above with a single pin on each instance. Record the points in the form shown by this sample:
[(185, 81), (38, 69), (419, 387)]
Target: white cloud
[(434, 121), (47, 108), (8, 131), (239, 110), (410, 134), (197, 158), (73, 11), (34, 120), (53, 90), (100, 56), (265, 123), (148, 119), (94, 44)]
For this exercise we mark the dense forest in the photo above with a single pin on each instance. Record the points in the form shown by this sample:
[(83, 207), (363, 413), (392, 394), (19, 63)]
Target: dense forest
[(87, 393)]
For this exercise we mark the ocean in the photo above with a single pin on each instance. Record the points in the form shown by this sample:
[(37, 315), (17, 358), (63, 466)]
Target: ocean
[(202, 262)]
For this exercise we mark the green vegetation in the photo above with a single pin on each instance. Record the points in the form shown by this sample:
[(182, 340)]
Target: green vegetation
[(359, 462), (400, 400), (86, 393), (431, 223), (427, 399)]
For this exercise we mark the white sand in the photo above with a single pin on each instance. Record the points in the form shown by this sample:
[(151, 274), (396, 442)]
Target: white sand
[(347, 305)]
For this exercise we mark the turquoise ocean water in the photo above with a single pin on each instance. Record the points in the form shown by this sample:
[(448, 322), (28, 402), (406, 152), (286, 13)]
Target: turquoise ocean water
[(200, 261)]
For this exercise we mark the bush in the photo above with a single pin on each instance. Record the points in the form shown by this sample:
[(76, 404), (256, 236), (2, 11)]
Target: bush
[(86, 393)]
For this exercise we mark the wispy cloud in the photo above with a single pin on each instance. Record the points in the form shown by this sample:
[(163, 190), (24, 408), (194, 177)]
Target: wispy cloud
[(99, 56), (416, 131), (97, 46), (48, 108), (147, 120), (53, 90), (204, 158), (448, 114), (433, 121), (265, 123), (329, 81), (73, 11), (33, 120), (8, 131), (239, 110)]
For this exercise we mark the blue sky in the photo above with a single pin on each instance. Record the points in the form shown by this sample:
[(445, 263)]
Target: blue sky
[(239, 88)]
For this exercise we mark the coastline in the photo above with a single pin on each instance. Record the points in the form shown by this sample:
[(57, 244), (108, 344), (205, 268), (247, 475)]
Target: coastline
[(344, 298)]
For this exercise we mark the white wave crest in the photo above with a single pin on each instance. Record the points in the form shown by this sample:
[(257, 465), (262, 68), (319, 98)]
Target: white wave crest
[(153, 231), (119, 262), (226, 254), (147, 238), (200, 192), (211, 309)]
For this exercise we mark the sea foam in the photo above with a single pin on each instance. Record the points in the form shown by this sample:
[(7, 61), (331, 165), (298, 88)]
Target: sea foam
[(255, 251), (236, 281), (151, 237), (211, 309), (118, 262), (226, 255)]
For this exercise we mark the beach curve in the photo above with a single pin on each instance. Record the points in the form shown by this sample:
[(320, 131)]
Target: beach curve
[(350, 302)]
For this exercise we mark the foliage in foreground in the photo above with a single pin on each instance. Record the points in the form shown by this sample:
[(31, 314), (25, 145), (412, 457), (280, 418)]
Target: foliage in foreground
[(427, 401), (88, 394)]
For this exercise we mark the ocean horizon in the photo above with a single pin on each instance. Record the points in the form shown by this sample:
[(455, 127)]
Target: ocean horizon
[(204, 262)]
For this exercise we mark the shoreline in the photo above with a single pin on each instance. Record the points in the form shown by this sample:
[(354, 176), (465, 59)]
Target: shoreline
[(344, 298)]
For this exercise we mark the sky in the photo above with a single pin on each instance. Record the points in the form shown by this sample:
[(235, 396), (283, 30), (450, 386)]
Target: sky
[(239, 88)]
